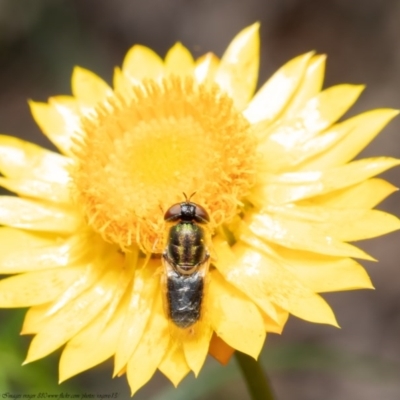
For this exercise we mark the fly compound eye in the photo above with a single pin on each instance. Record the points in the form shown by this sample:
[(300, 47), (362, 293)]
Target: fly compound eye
[(201, 215), (173, 213), (187, 212)]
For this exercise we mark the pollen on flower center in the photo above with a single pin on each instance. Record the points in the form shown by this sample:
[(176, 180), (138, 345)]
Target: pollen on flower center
[(139, 155)]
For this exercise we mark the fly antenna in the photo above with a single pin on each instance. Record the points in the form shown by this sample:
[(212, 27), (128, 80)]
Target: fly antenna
[(188, 198)]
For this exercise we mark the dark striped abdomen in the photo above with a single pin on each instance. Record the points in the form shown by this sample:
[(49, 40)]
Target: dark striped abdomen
[(184, 297)]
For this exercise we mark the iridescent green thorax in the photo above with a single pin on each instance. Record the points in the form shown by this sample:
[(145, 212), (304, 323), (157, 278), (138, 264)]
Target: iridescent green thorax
[(186, 247)]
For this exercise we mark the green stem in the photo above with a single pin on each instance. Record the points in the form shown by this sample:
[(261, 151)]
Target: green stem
[(256, 379)]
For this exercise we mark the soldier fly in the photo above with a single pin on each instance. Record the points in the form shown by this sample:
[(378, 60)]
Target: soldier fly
[(186, 260)]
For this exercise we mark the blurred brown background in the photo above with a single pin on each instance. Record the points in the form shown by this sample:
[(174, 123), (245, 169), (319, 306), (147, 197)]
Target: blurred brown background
[(41, 41)]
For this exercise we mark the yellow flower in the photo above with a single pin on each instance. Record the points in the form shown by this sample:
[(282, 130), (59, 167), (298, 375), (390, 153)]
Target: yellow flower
[(273, 171)]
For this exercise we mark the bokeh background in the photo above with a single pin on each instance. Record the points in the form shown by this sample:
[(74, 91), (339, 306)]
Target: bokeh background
[(41, 41)]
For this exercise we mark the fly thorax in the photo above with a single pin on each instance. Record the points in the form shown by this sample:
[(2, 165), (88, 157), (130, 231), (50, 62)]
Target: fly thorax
[(186, 248)]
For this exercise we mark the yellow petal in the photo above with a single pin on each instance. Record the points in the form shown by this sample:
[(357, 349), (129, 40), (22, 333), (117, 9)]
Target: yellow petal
[(328, 106), (196, 345), (299, 235), (303, 147), (366, 194), (347, 224), (265, 276), (27, 214), (88, 87), (359, 131), (174, 365), (150, 350), (123, 84), (145, 287), (179, 61), (294, 186), (374, 223), (89, 274), (124, 286), (309, 87), (57, 121), (279, 158), (22, 251), (35, 319), (273, 326), (290, 136), (277, 284), (21, 159), (88, 278), (314, 309), (206, 67), (235, 319), (238, 70), (71, 111), (275, 94), (324, 273), (141, 62), (93, 345), (122, 372), (36, 287), (75, 315), (48, 191), (225, 259), (220, 350)]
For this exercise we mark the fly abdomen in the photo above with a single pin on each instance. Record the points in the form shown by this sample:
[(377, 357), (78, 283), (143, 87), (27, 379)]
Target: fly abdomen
[(184, 297)]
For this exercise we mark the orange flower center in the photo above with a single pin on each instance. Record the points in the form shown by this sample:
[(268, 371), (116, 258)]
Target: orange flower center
[(139, 155)]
